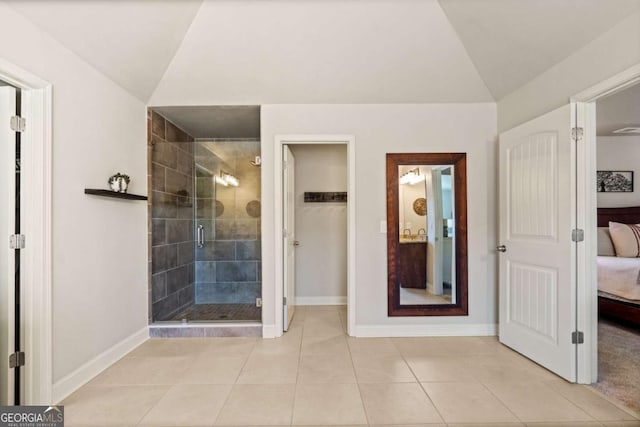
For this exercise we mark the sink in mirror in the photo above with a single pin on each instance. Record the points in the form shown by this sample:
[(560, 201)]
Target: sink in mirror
[(426, 220)]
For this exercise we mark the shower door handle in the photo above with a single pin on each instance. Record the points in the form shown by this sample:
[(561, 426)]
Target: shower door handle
[(201, 236)]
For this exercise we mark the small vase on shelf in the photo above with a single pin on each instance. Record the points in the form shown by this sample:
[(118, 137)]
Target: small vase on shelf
[(119, 182)]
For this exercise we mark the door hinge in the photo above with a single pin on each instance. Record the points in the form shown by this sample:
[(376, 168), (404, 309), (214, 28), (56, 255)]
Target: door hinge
[(258, 302), (17, 241), (16, 359), (284, 300), (577, 134), (577, 337), (284, 232), (577, 235), (18, 124)]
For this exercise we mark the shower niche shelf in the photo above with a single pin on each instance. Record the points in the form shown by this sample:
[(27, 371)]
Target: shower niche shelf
[(114, 194)]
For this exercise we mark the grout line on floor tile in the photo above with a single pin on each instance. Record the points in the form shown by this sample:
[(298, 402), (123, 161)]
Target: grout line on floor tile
[(420, 383), (246, 360), (234, 384), (295, 387), (355, 374), (501, 402), (226, 400), (557, 392), (154, 405)]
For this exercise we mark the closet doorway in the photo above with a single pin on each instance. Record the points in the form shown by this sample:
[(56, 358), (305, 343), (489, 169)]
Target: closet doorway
[(319, 235), (322, 205)]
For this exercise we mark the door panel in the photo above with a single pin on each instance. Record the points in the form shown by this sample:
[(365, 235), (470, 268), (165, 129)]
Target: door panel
[(537, 281), (7, 256), (289, 237)]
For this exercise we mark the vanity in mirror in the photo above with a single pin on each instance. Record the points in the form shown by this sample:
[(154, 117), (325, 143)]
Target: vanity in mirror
[(427, 234)]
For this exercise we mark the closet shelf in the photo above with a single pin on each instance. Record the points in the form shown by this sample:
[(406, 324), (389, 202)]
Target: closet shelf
[(114, 194)]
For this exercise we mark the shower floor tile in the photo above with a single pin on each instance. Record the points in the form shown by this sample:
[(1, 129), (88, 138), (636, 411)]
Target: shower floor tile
[(220, 312)]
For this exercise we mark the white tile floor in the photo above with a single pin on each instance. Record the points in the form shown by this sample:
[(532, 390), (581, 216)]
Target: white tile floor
[(316, 375)]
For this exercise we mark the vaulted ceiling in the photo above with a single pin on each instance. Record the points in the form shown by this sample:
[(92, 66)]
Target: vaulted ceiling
[(512, 41), (130, 41), (323, 51)]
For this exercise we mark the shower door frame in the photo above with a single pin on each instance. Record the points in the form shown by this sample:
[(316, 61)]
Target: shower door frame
[(280, 142)]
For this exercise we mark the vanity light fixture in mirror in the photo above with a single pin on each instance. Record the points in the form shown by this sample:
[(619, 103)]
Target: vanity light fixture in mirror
[(427, 234)]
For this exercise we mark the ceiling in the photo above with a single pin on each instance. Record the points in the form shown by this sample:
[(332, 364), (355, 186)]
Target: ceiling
[(620, 110), (215, 122), (323, 51), (320, 51), (512, 41), (130, 41)]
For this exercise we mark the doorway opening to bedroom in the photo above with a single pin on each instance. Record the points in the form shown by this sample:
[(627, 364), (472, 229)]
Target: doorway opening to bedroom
[(618, 253)]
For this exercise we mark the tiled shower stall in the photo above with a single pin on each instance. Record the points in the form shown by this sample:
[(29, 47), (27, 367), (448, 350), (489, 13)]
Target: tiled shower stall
[(216, 277)]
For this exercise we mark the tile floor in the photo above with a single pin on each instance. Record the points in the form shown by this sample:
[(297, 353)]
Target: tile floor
[(316, 375)]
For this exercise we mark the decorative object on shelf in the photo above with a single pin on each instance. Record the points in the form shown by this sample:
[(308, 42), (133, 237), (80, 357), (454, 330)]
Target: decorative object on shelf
[(119, 182), (615, 181), (325, 197), (420, 206), (113, 194)]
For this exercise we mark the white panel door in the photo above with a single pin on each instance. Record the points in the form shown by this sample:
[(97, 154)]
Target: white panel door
[(290, 243), (537, 281), (7, 256)]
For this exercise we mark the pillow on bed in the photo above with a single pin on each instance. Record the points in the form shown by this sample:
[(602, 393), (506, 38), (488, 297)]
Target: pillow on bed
[(605, 245), (626, 239)]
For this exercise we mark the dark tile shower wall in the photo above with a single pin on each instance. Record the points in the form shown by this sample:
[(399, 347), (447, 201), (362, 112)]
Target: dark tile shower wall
[(228, 268), (172, 253)]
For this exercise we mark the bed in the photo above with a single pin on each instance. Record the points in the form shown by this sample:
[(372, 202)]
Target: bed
[(618, 278)]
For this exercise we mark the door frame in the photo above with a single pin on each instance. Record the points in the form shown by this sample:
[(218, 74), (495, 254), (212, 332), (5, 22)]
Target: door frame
[(280, 142), (36, 261), (586, 200)]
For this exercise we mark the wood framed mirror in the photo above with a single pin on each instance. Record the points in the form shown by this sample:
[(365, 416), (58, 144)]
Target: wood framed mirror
[(427, 234)]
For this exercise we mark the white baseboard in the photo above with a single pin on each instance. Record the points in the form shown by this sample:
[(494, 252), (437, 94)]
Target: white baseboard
[(270, 331), (321, 300), (425, 330), (76, 379)]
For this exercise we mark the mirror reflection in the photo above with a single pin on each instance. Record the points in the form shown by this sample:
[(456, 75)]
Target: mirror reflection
[(427, 234), (426, 265)]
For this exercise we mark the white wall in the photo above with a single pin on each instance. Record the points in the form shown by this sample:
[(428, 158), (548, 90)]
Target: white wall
[(381, 129), (99, 245), (619, 153), (321, 228), (609, 54)]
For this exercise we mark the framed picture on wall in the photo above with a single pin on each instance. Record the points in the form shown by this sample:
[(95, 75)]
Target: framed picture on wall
[(615, 181)]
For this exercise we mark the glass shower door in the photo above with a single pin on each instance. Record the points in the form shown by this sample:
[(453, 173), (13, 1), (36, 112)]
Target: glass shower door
[(228, 249)]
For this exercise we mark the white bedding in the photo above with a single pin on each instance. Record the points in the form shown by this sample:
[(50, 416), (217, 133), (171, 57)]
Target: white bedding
[(619, 276)]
